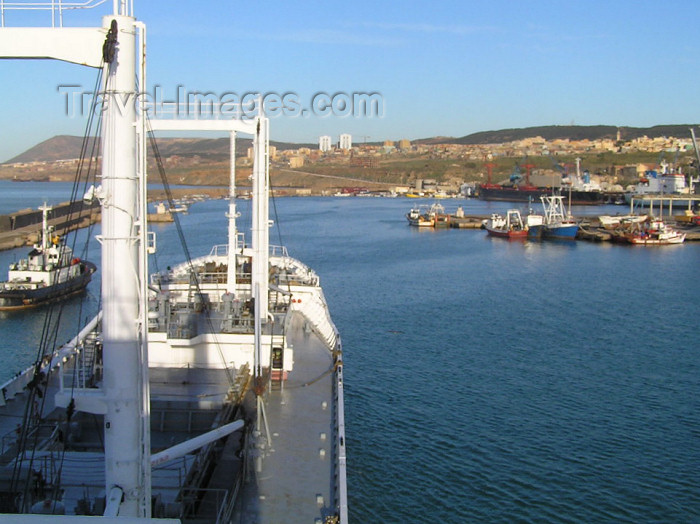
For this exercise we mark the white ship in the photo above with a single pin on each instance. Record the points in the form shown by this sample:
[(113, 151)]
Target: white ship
[(209, 393)]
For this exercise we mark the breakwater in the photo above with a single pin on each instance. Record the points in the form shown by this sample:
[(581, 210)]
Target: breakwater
[(24, 227)]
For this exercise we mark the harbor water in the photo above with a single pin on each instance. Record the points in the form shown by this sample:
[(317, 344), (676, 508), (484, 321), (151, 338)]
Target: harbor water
[(486, 380)]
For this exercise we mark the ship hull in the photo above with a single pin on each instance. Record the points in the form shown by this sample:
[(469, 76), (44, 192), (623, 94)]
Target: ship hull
[(515, 194), (18, 299), (566, 232), (501, 233), (511, 194)]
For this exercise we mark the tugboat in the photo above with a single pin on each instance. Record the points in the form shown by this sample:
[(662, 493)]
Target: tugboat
[(48, 274)]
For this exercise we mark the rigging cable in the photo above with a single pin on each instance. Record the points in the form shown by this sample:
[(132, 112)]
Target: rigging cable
[(38, 385)]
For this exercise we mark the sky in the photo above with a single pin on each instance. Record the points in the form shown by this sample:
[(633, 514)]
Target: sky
[(439, 68)]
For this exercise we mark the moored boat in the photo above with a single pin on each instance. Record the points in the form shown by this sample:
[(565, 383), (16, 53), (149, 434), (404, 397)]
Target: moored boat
[(652, 232), (556, 222), (49, 273), (428, 216), (440, 218), (613, 221), (509, 226), (420, 217)]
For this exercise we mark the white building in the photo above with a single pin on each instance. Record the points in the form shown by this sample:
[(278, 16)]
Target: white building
[(324, 143), (345, 141)]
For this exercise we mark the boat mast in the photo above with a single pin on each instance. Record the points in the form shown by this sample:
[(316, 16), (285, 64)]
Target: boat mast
[(261, 221), (126, 452), (45, 242), (232, 232)]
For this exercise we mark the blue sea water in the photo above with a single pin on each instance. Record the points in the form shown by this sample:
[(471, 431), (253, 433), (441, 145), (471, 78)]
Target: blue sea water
[(487, 380)]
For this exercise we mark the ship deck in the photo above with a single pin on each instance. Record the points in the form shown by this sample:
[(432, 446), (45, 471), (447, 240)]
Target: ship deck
[(184, 402), (296, 477)]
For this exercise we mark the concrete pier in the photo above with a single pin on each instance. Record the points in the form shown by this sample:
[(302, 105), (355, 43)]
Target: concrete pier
[(23, 228)]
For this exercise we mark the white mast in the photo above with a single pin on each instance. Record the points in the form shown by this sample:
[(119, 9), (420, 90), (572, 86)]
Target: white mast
[(261, 221), (125, 449), (232, 232), (45, 241)]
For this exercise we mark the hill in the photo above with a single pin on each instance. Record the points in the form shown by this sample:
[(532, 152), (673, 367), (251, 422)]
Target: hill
[(217, 149), (65, 147), (60, 147), (563, 132)]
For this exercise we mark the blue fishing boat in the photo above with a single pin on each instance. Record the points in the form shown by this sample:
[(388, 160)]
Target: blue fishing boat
[(554, 223)]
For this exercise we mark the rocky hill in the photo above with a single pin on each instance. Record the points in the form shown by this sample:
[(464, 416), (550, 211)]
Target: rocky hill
[(64, 147), (217, 149)]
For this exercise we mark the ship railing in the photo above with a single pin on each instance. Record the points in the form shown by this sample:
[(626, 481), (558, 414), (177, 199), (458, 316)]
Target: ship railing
[(55, 8), (219, 250), (341, 490), (297, 278), (18, 384), (314, 307), (292, 271), (40, 433), (205, 277), (279, 251)]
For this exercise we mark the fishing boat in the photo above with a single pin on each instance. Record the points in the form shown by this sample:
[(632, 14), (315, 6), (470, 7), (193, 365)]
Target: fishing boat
[(210, 392), (555, 223), (428, 216), (509, 226), (420, 217), (49, 273), (440, 218), (652, 232)]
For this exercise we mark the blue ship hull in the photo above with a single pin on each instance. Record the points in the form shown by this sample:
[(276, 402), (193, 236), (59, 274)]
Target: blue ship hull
[(565, 231), (535, 231)]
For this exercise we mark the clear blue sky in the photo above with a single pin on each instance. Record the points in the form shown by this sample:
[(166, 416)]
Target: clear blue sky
[(442, 68)]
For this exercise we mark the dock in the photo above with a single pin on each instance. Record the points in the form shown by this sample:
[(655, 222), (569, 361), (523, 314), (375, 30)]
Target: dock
[(590, 228), (23, 228)]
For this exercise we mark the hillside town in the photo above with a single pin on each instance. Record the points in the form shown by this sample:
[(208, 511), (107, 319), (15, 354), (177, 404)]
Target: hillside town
[(429, 167)]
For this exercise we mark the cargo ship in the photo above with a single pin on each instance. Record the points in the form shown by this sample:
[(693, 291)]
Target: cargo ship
[(519, 189)]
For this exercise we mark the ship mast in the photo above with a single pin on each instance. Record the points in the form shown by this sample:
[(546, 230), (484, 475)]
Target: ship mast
[(125, 426), (261, 219), (232, 215), (45, 240)]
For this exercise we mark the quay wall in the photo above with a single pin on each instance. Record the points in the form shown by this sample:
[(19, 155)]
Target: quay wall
[(27, 218)]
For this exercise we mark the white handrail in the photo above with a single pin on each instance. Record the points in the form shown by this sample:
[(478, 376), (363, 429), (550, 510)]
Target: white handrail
[(56, 7)]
